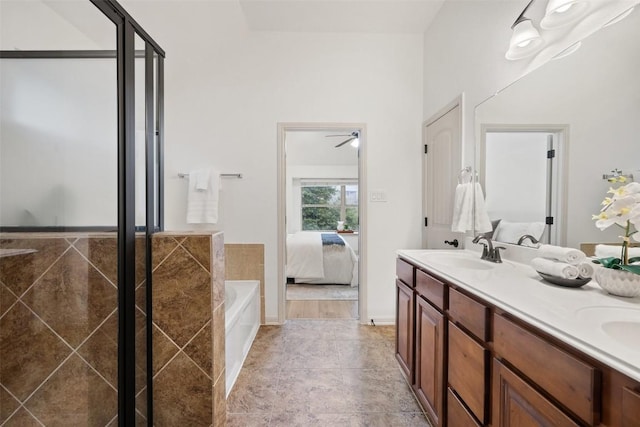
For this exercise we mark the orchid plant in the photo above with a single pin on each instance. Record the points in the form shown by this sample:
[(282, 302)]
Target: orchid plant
[(623, 210)]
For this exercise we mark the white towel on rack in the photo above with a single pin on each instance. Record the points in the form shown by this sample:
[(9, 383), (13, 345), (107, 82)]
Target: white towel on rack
[(202, 203), (469, 212), (482, 221), (462, 219)]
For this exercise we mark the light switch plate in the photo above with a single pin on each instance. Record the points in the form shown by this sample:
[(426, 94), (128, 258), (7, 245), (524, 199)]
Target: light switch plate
[(377, 196)]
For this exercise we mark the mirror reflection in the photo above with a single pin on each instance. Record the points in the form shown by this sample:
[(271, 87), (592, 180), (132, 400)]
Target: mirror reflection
[(545, 142)]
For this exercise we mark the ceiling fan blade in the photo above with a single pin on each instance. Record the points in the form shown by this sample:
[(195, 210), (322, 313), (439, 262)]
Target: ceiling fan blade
[(351, 138)]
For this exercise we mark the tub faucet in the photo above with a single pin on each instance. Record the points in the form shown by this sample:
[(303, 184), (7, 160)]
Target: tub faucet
[(489, 253), (525, 237)]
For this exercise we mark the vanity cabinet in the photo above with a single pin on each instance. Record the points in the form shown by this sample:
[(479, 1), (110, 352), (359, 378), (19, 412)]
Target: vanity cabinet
[(428, 383), (517, 404), (419, 313), (405, 307), (470, 363)]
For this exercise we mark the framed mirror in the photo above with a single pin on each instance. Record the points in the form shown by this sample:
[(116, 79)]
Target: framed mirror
[(589, 102)]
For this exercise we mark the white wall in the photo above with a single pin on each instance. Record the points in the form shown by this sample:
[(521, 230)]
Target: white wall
[(226, 90)]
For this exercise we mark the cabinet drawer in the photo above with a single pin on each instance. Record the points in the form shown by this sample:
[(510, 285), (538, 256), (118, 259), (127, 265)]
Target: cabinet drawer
[(469, 313), (457, 414), (431, 289), (468, 371), (405, 272), (575, 384), (516, 403), (630, 407)]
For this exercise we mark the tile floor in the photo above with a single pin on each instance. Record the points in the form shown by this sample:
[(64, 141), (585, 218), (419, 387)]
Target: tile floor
[(323, 373)]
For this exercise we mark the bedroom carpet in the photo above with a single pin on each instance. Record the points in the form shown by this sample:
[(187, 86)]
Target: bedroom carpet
[(324, 373), (301, 292)]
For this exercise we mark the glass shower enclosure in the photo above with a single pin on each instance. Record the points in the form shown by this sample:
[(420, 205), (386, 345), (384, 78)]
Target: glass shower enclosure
[(81, 125)]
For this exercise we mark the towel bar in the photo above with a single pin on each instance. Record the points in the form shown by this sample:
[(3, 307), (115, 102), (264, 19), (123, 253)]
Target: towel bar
[(224, 175)]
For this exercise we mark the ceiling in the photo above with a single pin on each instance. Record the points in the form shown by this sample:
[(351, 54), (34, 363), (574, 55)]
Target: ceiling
[(341, 16)]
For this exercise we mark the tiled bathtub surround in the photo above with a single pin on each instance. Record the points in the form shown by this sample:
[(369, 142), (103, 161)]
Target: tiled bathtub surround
[(245, 261), (58, 330), (188, 335)]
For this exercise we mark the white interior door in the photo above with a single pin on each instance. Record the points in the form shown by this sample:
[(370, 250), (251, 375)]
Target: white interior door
[(441, 166)]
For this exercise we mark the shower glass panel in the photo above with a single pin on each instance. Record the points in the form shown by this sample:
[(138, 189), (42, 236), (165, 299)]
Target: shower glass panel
[(80, 195)]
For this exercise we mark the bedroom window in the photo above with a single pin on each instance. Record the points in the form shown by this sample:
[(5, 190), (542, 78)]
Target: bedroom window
[(324, 204)]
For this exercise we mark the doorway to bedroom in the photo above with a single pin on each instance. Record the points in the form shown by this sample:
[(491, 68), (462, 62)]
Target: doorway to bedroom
[(321, 234)]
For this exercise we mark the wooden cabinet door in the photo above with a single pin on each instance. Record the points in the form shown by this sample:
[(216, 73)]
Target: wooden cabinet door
[(404, 328), (429, 359), (517, 404), (467, 371), (630, 408)]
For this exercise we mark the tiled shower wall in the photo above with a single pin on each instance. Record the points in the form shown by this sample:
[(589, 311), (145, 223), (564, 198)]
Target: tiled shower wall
[(58, 330), (188, 334)]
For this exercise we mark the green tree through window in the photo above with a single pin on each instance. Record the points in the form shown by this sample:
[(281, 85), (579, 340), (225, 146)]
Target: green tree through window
[(324, 205)]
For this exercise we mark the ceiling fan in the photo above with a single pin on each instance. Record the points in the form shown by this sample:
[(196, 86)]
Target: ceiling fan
[(353, 137)]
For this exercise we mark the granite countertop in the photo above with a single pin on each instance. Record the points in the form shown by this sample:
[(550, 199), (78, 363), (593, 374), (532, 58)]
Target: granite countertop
[(581, 317)]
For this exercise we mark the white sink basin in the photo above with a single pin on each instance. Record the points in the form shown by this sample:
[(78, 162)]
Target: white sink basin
[(619, 323), (463, 260)]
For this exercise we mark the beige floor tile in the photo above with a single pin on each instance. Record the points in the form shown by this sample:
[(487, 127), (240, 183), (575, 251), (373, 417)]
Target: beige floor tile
[(323, 373)]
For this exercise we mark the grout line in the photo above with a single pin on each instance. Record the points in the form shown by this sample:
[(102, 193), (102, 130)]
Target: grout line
[(153, 269), (46, 270), (94, 266)]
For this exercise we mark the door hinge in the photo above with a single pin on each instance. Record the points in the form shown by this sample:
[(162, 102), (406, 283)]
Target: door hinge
[(549, 220), (426, 221), (551, 154), (426, 148)]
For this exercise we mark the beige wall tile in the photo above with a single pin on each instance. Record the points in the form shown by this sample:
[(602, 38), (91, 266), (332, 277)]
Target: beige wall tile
[(245, 261)]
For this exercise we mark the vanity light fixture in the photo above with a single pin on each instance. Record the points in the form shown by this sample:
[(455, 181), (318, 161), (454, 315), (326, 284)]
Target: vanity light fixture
[(525, 39), (356, 142), (563, 12)]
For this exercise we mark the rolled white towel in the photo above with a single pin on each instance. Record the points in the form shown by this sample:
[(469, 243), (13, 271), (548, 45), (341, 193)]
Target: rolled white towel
[(585, 270), (568, 255), (555, 268)]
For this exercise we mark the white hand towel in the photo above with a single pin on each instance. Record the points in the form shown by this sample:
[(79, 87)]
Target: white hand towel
[(568, 255), (555, 268), (585, 270), (202, 178), (202, 204), (482, 221), (461, 221)]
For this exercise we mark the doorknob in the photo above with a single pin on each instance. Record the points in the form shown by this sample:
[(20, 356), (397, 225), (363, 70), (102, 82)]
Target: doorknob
[(454, 243)]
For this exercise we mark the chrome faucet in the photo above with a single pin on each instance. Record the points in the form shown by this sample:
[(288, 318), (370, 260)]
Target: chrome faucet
[(527, 236), (489, 253)]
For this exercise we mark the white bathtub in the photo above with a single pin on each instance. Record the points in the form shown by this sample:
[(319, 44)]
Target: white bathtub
[(242, 320)]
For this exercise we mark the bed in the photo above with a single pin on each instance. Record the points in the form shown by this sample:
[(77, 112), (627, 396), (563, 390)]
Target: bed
[(321, 258)]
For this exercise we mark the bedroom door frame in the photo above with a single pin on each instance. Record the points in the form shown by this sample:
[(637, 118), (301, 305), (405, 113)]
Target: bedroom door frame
[(283, 128)]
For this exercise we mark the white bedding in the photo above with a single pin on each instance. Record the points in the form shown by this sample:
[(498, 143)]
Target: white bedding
[(308, 261)]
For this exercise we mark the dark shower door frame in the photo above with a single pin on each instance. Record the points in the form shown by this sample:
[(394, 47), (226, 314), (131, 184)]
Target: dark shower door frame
[(127, 28)]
